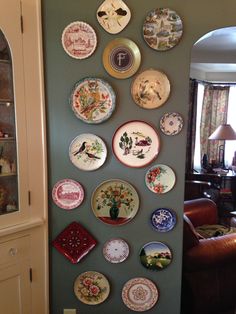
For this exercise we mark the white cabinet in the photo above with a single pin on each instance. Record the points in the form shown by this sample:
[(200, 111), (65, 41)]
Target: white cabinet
[(15, 276), (23, 171)]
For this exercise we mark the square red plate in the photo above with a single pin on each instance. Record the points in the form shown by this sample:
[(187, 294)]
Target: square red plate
[(74, 242)]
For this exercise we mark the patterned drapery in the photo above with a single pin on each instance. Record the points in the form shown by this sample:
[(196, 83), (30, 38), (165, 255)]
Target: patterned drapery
[(191, 127), (214, 113)]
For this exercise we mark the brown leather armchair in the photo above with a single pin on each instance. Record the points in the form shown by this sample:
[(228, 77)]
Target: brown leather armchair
[(209, 265)]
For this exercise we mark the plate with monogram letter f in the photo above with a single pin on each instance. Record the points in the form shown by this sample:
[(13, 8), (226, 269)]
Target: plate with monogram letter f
[(121, 58)]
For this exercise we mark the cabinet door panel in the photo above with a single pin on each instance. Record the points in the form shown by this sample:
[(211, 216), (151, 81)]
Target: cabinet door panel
[(15, 295), (17, 182)]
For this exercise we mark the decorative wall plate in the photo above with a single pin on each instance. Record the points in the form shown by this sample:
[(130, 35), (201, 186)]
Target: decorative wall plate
[(160, 179), (121, 58), (79, 40), (171, 123), (150, 89), (162, 29), (91, 287), (92, 100), (155, 255), (87, 152), (163, 219), (74, 242), (115, 202), (68, 194), (140, 294), (113, 15), (116, 250), (136, 143)]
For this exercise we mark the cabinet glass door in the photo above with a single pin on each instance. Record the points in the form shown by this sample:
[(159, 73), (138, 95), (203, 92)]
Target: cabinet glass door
[(8, 147)]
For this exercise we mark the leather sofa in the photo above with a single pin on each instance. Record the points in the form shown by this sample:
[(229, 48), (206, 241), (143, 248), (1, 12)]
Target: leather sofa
[(209, 265)]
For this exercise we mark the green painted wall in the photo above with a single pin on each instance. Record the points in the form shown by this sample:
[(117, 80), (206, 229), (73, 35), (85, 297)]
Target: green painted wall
[(61, 73)]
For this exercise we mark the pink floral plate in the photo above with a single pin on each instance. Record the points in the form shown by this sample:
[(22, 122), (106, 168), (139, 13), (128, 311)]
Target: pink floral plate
[(136, 144), (171, 123), (68, 194), (116, 250), (87, 152), (79, 40), (115, 202), (160, 179), (91, 287), (92, 100), (140, 294)]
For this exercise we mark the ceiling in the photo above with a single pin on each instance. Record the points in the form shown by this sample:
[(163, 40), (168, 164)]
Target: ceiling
[(215, 53)]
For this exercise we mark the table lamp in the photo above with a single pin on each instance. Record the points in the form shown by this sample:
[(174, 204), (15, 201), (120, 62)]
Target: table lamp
[(223, 132)]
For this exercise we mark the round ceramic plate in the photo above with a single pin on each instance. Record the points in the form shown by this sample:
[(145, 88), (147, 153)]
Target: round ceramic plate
[(79, 40), (116, 250), (160, 179), (162, 29), (68, 194), (163, 219), (150, 89), (113, 16), (121, 58), (140, 294), (91, 287), (171, 123), (136, 143), (155, 255), (87, 152), (115, 202), (92, 100)]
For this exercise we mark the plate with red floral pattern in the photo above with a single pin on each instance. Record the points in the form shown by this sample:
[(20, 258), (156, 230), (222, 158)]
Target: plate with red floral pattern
[(68, 194), (79, 40), (91, 287), (116, 250), (140, 294), (160, 179), (136, 144)]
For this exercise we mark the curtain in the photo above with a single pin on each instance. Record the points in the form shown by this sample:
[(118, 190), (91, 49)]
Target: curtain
[(214, 113), (191, 127)]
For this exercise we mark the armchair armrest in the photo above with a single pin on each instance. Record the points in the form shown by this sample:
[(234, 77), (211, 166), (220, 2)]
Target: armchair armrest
[(201, 211), (211, 252)]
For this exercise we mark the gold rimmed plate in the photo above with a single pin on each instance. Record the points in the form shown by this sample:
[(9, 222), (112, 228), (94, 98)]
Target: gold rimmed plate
[(121, 58)]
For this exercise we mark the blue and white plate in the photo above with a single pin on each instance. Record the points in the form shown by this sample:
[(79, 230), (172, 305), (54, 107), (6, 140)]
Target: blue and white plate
[(163, 219)]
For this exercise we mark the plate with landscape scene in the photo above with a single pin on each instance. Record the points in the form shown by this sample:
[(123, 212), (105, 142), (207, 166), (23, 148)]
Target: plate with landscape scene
[(92, 100), (87, 152), (160, 179), (115, 202), (155, 255), (162, 29), (136, 143)]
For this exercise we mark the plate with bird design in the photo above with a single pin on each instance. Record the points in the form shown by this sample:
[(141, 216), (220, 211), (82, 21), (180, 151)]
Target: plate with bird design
[(150, 89), (136, 143), (113, 16), (87, 152), (93, 100)]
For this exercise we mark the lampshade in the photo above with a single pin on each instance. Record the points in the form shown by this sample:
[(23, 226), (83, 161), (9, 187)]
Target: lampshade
[(223, 132)]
